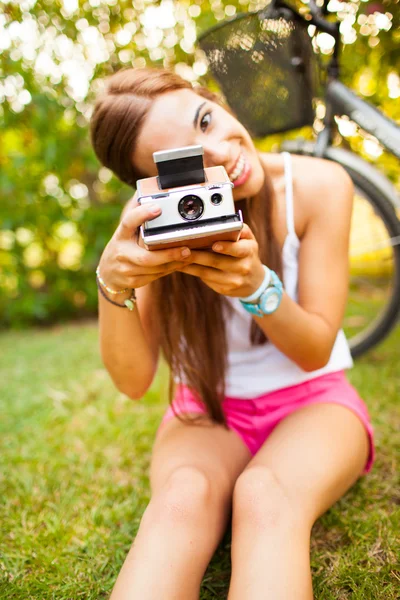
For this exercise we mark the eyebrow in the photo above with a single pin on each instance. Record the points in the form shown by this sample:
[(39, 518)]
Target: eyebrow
[(196, 116)]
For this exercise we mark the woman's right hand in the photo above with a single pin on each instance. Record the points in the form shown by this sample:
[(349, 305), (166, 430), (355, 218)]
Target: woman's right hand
[(126, 264)]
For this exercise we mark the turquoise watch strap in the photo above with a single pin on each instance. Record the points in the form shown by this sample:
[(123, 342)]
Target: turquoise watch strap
[(273, 292)]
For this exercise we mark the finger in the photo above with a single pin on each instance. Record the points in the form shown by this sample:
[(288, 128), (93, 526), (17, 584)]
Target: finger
[(134, 270), (173, 269), (177, 267), (140, 257), (205, 273), (246, 233), (212, 259), (134, 218), (216, 280), (239, 249), (145, 279)]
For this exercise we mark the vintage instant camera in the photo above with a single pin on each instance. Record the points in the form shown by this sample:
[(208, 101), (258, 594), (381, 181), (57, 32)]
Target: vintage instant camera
[(197, 203)]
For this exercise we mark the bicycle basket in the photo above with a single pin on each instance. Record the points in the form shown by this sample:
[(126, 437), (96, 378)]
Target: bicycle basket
[(266, 68)]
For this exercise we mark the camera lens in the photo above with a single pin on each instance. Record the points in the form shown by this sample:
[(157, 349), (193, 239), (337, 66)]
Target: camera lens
[(191, 207), (216, 198)]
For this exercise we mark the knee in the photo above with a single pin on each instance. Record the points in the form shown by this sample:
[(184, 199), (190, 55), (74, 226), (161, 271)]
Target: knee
[(260, 501), (185, 496)]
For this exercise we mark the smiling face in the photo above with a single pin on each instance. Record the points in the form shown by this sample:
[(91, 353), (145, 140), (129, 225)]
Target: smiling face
[(183, 118)]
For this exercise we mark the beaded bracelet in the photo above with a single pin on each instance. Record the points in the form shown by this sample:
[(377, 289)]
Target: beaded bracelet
[(109, 290), (129, 303)]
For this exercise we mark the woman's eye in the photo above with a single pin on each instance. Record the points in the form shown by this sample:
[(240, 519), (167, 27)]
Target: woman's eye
[(205, 121)]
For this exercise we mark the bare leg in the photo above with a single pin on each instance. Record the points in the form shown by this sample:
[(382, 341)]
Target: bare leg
[(193, 473), (178, 535), (310, 460), (270, 549)]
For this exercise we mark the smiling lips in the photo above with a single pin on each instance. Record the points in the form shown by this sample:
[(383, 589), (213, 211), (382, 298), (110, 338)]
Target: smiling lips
[(241, 172), (239, 167)]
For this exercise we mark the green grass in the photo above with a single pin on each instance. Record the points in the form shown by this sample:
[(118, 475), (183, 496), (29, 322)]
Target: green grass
[(367, 301), (74, 485)]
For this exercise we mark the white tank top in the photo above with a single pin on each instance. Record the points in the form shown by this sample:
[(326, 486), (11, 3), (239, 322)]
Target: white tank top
[(256, 370)]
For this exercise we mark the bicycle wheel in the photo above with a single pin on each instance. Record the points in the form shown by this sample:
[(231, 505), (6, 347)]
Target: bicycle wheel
[(373, 305)]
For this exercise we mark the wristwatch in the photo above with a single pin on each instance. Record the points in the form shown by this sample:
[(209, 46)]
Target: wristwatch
[(267, 298)]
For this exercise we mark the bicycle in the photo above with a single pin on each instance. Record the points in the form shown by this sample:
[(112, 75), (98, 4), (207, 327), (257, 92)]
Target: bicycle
[(269, 54)]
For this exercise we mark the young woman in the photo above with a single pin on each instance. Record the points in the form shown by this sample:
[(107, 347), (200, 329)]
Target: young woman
[(264, 426)]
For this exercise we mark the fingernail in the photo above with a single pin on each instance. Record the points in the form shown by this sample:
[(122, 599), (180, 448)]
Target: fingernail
[(185, 252), (154, 209), (217, 247)]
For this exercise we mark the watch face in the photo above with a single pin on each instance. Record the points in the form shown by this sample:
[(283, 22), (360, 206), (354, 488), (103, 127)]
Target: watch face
[(270, 301)]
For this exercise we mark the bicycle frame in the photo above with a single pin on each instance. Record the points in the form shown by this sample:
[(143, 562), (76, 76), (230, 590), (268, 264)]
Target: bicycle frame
[(347, 159), (339, 99), (342, 101)]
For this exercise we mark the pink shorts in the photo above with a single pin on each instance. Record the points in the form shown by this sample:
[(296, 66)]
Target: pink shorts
[(254, 420)]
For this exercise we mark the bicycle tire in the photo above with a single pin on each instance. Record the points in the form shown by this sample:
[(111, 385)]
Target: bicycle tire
[(382, 203), (382, 326)]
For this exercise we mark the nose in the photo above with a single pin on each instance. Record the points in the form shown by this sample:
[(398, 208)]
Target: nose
[(217, 153)]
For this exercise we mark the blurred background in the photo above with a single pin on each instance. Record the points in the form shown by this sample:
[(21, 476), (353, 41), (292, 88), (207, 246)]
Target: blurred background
[(58, 206), (75, 452)]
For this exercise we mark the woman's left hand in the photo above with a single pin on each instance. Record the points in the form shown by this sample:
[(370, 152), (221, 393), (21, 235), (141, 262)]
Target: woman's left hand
[(231, 268)]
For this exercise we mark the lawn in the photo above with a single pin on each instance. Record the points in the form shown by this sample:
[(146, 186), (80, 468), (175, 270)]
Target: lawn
[(74, 461)]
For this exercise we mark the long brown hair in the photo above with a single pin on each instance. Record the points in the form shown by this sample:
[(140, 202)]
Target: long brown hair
[(191, 315)]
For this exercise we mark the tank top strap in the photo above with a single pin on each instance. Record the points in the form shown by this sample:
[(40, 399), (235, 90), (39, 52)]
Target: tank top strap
[(289, 193)]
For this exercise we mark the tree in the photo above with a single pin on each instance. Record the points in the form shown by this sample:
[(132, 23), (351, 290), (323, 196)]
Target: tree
[(58, 206)]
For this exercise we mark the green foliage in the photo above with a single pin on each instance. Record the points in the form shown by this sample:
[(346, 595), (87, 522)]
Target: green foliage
[(58, 207)]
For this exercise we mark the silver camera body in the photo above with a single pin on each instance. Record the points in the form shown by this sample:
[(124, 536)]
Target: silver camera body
[(197, 203)]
